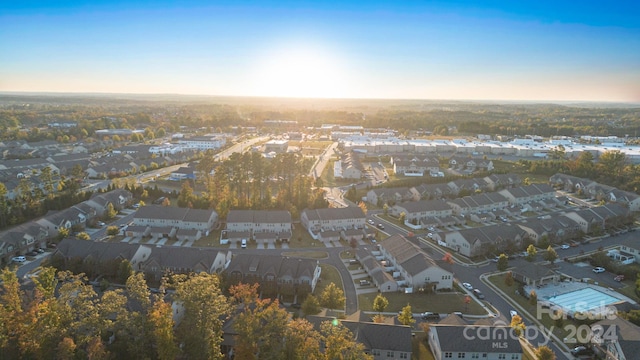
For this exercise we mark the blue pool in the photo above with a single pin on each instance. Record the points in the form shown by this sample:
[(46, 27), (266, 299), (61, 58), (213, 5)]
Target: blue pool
[(584, 299)]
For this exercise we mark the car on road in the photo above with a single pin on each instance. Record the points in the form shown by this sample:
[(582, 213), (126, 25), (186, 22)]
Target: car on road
[(371, 222), (495, 259), (467, 286), (478, 294), (364, 283), (430, 235), (598, 270), (619, 278), (513, 313), (430, 316), (19, 259), (101, 223), (39, 251), (380, 226), (564, 246), (581, 350), (243, 243)]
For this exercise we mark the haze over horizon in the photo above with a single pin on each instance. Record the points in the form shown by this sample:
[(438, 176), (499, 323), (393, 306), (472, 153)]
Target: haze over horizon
[(460, 50)]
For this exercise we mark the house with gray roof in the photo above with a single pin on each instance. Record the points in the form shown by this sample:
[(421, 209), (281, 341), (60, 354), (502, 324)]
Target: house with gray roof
[(497, 182), (600, 217), (335, 219), (410, 267), (479, 203), (270, 224), (21, 240), (620, 338), (484, 240), (474, 342), (163, 217), (390, 196), (556, 229), (529, 193), (417, 211), (382, 341), (276, 275)]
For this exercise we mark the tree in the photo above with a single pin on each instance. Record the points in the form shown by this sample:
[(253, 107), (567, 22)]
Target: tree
[(63, 232), (551, 255), (302, 341), (332, 297), (161, 323), (112, 230), (508, 279), (531, 253), (406, 316), (111, 212), (362, 205), (517, 325), (380, 303), (310, 306), (533, 298), (402, 217), (503, 262), (340, 342), (204, 309), (83, 236), (544, 353)]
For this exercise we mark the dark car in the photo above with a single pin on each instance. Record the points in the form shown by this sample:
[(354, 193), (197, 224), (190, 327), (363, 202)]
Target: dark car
[(581, 350), (430, 316), (478, 294)]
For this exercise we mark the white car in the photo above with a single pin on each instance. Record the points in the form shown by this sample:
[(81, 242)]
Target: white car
[(371, 222), (598, 270), (564, 246), (19, 259), (467, 286), (513, 313)]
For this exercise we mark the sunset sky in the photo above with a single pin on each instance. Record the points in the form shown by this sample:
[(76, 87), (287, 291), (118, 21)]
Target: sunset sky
[(476, 50)]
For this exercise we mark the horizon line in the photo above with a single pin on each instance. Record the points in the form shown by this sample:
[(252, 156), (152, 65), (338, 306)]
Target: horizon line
[(97, 93)]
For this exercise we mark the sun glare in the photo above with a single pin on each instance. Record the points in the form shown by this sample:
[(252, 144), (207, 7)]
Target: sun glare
[(300, 73)]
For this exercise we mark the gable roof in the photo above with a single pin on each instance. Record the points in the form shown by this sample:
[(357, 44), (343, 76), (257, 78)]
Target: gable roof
[(350, 212), (173, 213), (450, 337)]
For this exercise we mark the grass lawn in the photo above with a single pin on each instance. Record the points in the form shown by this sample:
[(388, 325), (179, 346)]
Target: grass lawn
[(420, 348), (420, 302), (329, 275)]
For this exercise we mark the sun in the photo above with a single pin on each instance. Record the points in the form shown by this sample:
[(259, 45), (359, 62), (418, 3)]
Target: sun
[(300, 72)]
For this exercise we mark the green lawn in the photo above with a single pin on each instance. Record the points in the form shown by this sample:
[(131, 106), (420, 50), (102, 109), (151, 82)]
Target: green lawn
[(329, 275), (307, 254), (420, 302)]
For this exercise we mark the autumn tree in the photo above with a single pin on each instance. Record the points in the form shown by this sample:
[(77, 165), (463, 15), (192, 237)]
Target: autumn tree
[(332, 297), (204, 309), (517, 325), (531, 253), (380, 303), (551, 255), (503, 262), (508, 279), (302, 341), (544, 353), (340, 343), (310, 305), (406, 316)]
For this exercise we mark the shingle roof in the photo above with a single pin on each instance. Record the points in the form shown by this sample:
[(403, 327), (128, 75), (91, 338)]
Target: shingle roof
[(452, 339)]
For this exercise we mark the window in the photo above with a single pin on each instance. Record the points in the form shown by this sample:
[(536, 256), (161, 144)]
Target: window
[(390, 354), (502, 356), (515, 356), (475, 356), (404, 356), (448, 355), (461, 355), (376, 352)]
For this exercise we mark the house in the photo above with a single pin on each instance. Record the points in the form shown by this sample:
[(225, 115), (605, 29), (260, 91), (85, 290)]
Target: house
[(398, 263), (529, 193), (167, 217), (433, 191), (532, 274), (569, 183), (21, 240), (479, 203), (484, 240), (118, 198), (315, 220), (277, 223), (276, 146), (155, 261), (556, 229), (183, 173), (390, 196), (620, 338), (54, 221), (349, 167), (382, 341), (497, 182), (599, 218), (277, 275), (474, 342), (418, 211)]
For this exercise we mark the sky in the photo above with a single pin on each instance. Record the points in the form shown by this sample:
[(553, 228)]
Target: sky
[(467, 50)]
